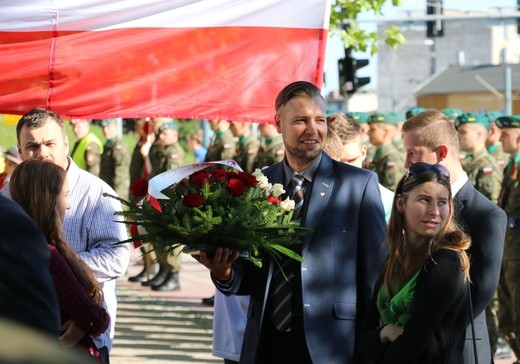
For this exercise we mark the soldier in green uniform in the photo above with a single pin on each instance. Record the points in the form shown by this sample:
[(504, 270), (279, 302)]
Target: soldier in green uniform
[(115, 159), (493, 145), (165, 154), (168, 153), (388, 161), (482, 169), (362, 119), (223, 145), (509, 284), (86, 152), (246, 147), (271, 149)]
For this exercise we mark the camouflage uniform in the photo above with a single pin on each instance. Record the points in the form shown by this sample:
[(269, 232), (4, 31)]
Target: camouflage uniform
[(164, 158), (484, 173), (509, 286), (371, 151), (271, 151), (388, 163), (114, 166), (223, 146), (497, 152), (246, 151)]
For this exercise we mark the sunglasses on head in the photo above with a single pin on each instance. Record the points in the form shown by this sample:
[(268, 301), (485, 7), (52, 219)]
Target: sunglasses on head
[(421, 167)]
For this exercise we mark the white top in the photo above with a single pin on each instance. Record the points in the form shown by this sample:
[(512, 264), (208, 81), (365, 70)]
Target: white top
[(229, 325), (91, 229)]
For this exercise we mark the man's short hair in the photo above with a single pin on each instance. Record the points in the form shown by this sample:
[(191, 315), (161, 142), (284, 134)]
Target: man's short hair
[(347, 129), (37, 117), (298, 88), (333, 145), (433, 129)]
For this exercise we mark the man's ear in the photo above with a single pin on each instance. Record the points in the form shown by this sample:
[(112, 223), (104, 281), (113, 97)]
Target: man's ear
[(442, 152), (277, 121)]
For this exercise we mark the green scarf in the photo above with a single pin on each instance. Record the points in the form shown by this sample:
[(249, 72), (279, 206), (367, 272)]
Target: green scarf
[(397, 309)]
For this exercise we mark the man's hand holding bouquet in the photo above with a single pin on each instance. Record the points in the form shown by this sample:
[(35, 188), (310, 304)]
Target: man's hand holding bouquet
[(203, 209)]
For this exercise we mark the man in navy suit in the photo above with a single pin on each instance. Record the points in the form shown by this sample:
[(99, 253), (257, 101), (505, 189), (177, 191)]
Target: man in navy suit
[(430, 137), (342, 252), (27, 293)]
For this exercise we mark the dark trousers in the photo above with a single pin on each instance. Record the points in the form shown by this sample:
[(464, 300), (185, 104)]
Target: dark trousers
[(283, 347)]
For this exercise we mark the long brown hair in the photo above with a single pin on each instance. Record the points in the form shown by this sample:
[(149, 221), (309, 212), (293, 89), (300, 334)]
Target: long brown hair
[(35, 185), (450, 236)]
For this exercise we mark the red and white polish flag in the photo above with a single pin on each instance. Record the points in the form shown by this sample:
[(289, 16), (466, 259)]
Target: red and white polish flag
[(205, 59)]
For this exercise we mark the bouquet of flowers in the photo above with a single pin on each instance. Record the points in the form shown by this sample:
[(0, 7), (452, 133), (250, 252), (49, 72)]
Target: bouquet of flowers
[(215, 208)]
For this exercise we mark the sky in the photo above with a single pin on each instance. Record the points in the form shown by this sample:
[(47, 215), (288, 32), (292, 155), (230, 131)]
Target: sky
[(335, 49)]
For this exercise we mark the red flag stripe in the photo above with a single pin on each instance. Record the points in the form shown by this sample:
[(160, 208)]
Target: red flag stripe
[(227, 72)]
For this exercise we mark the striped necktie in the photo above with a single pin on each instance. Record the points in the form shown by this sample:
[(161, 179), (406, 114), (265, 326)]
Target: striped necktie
[(282, 286)]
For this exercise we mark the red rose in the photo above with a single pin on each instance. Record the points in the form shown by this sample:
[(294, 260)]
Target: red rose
[(248, 179), (192, 200), (219, 175), (235, 187), (139, 187), (232, 175), (273, 200), (198, 178)]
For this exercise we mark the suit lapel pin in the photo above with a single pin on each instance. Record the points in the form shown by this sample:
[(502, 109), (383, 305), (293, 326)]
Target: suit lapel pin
[(322, 194)]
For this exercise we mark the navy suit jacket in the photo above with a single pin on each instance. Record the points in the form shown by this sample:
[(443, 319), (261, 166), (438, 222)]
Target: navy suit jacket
[(27, 293), (485, 223), (343, 257)]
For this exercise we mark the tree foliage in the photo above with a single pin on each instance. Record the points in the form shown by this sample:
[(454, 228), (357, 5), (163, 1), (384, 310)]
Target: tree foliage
[(343, 19)]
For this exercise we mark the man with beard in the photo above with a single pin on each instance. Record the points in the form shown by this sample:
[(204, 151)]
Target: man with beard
[(315, 314)]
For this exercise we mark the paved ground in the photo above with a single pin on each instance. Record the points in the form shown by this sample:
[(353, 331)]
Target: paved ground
[(164, 327), (168, 327)]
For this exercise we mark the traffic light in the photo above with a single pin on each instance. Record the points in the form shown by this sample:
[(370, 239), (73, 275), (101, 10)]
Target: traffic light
[(518, 19), (349, 82), (434, 28)]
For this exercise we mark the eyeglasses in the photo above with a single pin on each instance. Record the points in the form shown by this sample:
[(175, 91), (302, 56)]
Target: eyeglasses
[(421, 167)]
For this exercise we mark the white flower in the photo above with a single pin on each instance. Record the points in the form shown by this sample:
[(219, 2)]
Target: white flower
[(277, 190), (263, 182), (287, 204)]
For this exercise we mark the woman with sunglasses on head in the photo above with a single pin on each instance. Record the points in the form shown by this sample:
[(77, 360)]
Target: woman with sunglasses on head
[(41, 189), (418, 314)]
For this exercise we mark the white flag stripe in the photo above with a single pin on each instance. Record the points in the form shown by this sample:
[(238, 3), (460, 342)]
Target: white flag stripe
[(92, 15)]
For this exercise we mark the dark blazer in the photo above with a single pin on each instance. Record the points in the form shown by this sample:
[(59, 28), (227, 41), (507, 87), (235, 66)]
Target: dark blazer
[(27, 293), (342, 256), (485, 223)]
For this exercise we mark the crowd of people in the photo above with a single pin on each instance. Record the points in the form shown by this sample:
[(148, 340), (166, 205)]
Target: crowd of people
[(411, 256)]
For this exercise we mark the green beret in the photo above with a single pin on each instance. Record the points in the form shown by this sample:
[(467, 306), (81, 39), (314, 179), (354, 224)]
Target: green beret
[(360, 117), (170, 125), (383, 118), (470, 118), (493, 115), (414, 111), (452, 113), (396, 117), (511, 121), (106, 122)]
